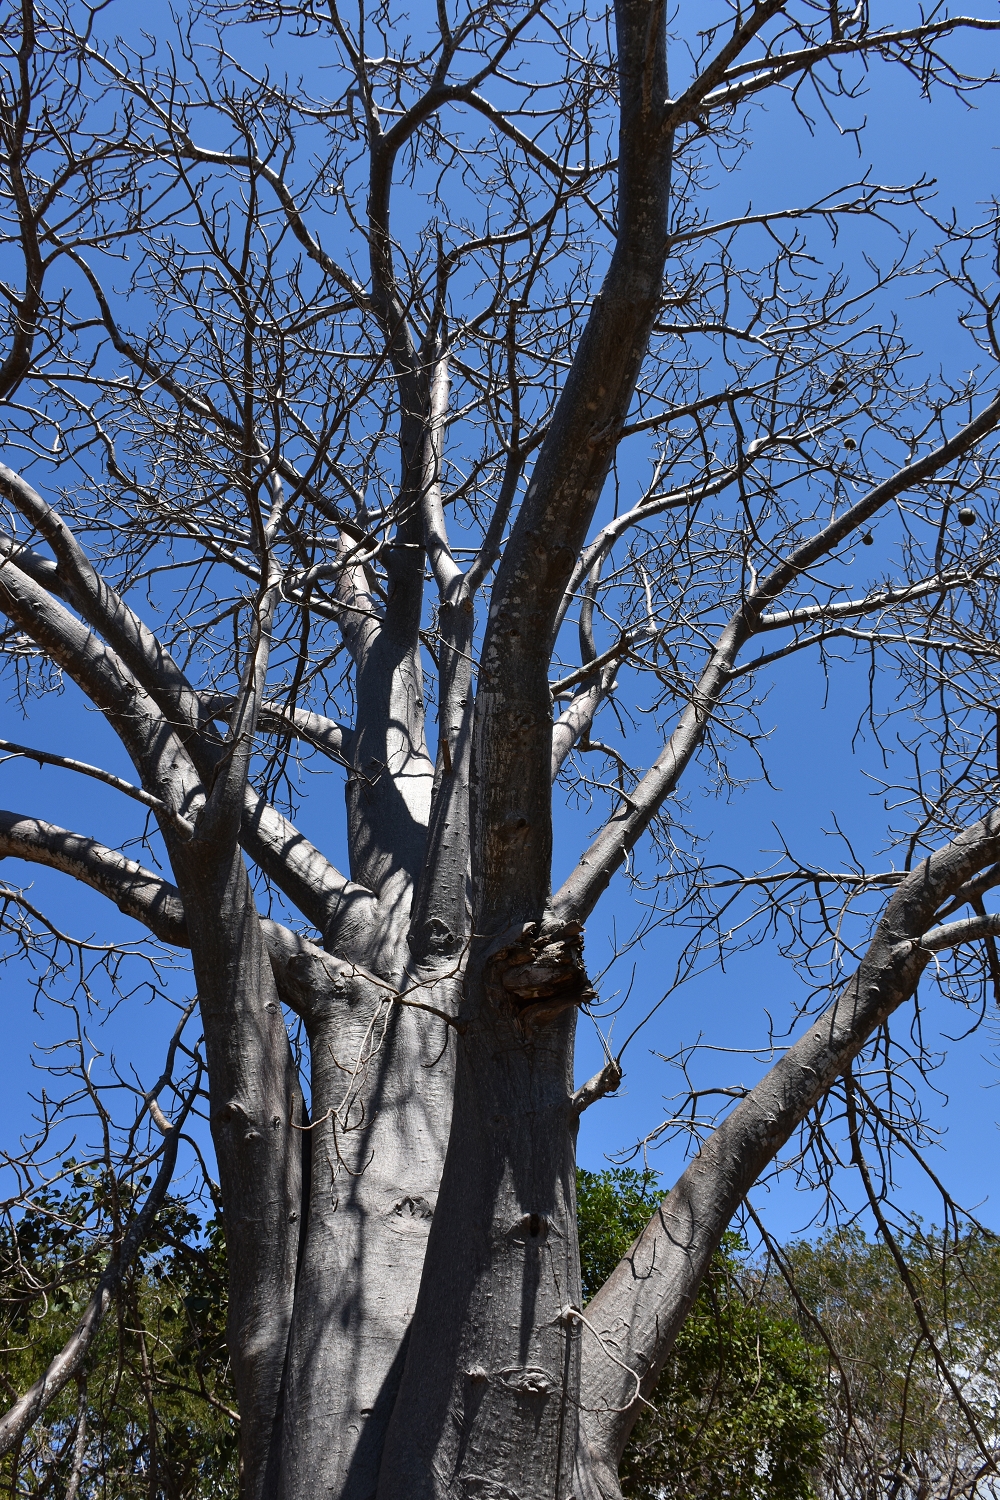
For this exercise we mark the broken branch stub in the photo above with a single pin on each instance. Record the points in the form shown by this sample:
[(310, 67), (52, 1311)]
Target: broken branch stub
[(540, 974)]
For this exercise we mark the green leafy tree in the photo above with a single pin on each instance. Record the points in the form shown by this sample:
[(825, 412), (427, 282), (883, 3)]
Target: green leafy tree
[(152, 1415), (912, 1404), (738, 1409)]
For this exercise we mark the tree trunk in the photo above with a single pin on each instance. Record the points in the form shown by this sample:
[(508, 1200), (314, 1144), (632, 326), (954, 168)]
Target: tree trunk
[(382, 1079), (257, 1119), (487, 1405)]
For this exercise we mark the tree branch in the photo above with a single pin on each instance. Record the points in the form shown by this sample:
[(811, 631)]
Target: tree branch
[(769, 71), (46, 758), (608, 851), (137, 892), (512, 838), (101, 606), (342, 910), (151, 741), (303, 971), (642, 1305), (333, 739), (880, 599), (691, 102), (319, 891)]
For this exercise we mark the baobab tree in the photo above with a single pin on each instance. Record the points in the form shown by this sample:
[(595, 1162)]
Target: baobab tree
[(313, 388)]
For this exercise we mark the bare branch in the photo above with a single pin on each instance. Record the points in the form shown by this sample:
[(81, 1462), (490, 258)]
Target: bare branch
[(46, 758), (607, 852), (644, 1301)]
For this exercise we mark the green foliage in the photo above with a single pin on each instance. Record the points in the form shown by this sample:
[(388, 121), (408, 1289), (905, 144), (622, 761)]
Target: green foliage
[(612, 1210), (895, 1421), (738, 1407), (158, 1409)]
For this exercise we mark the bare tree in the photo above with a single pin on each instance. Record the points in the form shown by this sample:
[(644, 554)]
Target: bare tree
[(244, 399)]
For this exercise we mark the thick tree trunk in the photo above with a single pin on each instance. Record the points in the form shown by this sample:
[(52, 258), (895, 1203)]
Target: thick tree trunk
[(488, 1403), (487, 1406), (382, 1080), (257, 1119)]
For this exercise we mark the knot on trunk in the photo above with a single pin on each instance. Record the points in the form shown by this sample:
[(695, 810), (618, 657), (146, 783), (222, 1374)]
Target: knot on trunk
[(529, 1380), (540, 974)]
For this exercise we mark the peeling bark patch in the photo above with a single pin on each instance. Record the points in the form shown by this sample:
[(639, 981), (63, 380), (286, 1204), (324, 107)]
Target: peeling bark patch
[(437, 938), (540, 975), (478, 1487), (233, 1110)]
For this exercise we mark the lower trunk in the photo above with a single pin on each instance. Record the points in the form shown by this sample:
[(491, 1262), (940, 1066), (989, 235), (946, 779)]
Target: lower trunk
[(488, 1401), (382, 1078), (256, 1105)]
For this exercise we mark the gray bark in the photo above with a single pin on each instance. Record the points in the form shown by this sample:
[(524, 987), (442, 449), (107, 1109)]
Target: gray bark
[(382, 1083), (487, 1398), (258, 1125)]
